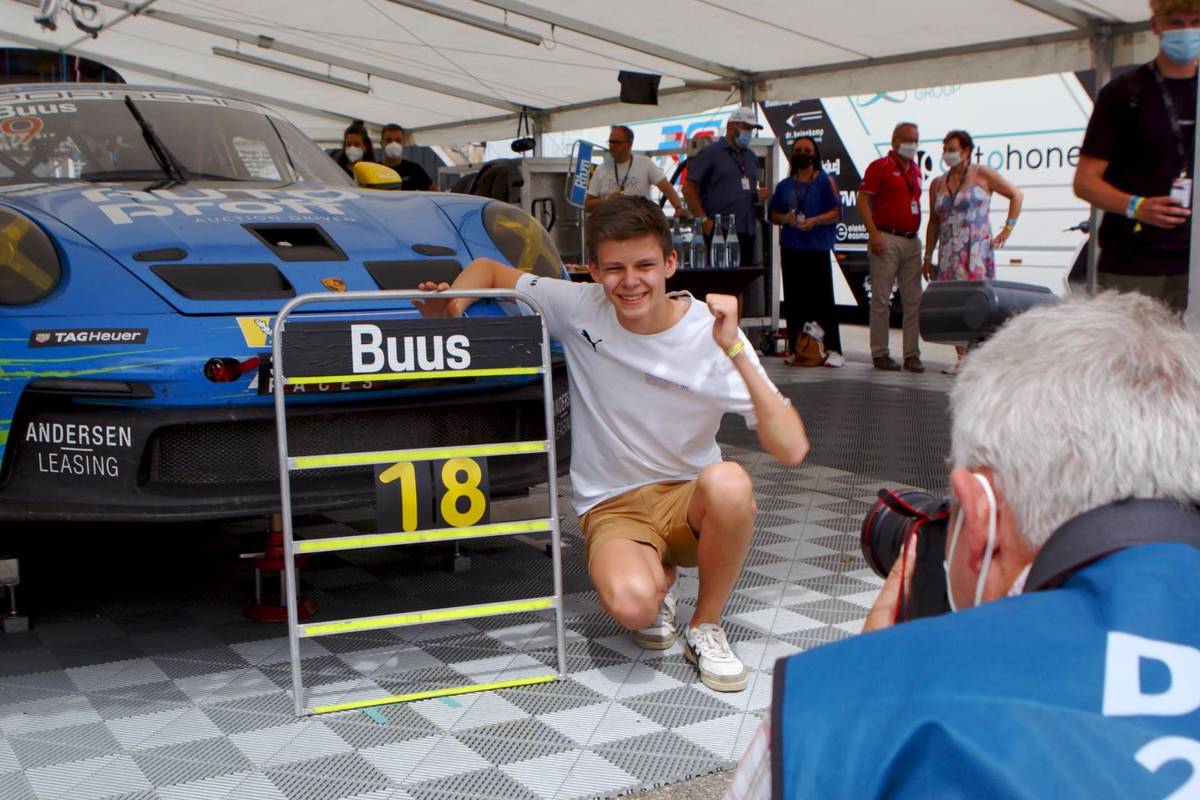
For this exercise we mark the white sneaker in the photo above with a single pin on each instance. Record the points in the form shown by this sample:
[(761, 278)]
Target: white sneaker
[(720, 670), (834, 359), (660, 634)]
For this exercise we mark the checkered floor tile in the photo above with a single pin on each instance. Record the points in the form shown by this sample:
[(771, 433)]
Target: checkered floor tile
[(154, 686)]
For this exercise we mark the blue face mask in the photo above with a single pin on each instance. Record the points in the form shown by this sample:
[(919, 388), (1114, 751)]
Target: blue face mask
[(743, 138), (1181, 45)]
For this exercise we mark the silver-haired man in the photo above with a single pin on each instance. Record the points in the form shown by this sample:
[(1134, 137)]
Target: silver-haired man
[(1074, 524)]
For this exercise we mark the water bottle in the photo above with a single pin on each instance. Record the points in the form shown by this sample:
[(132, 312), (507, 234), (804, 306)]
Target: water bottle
[(733, 248), (718, 258), (677, 239), (698, 249), (684, 249)]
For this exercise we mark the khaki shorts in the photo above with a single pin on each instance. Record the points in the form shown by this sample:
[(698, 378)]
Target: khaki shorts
[(655, 514)]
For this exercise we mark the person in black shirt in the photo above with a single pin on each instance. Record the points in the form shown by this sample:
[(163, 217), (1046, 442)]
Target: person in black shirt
[(1136, 162), (413, 176)]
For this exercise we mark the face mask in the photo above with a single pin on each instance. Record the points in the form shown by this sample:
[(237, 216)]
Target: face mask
[(393, 150), (802, 161), (987, 553), (908, 150), (952, 159), (743, 138), (1181, 45), (353, 154)]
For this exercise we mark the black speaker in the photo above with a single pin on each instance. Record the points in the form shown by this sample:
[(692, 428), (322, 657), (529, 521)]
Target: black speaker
[(640, 88)]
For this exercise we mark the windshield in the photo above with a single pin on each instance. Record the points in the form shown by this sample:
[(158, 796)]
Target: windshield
[(92, 135)]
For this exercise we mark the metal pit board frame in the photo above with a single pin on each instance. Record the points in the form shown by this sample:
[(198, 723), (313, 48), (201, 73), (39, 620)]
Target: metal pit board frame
[(288, 464)]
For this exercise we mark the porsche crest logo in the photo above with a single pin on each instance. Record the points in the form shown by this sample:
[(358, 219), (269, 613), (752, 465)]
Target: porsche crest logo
[(334, 284)]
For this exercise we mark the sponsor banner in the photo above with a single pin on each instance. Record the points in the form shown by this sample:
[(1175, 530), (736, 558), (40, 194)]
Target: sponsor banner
[(581, 171), (383, 349), (79, 449), (791, 121), (87, 336)]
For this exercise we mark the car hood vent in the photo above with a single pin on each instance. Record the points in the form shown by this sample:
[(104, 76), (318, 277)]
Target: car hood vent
[(297, 242), (226, 281), (409, 274)]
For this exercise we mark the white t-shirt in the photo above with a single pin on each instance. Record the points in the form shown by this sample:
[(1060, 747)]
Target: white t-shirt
[(637, 175), (644, 408)]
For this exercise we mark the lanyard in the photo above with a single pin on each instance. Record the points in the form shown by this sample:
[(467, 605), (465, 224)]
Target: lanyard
[(1172, 117), (801, 199), (739, 160), (915, 191), (961, 184), (617, 173)]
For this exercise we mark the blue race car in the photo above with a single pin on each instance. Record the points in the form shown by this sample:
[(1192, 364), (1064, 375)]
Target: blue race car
[(147, 237)]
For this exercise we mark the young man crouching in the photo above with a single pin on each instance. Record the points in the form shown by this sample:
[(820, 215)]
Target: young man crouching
[(651, 376)]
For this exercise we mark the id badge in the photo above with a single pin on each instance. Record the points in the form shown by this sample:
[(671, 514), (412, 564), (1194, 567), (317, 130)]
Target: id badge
[(914, 208), (1181, 191), (745, 184)]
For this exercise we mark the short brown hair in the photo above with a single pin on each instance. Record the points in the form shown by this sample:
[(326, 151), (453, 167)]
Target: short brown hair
[(627, 217), (1175, 6), (962, 137)]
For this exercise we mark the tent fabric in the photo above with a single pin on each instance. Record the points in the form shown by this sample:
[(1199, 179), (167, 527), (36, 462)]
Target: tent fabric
[(455, 82)]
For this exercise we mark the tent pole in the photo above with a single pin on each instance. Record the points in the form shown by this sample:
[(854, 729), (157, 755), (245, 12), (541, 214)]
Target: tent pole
[(1191, 317), (1102, 63)]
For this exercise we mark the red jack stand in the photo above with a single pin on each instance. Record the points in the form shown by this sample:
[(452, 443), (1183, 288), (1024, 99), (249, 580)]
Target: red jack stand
[(271, 560)]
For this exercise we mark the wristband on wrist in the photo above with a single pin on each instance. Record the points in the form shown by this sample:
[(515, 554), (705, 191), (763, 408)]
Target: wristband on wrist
[(1011, 222), (735, 348), (1135, 203)]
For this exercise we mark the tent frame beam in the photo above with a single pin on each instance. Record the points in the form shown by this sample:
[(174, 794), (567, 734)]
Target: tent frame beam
[(185, 80), (1061, 12), (613, 37), (270, 43)]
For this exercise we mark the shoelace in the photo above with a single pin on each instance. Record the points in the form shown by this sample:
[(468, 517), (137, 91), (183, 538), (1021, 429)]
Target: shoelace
[(711, 642), (666, 612)]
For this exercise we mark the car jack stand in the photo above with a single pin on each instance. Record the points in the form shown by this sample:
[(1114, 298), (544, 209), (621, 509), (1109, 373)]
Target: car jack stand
[(271, 560), (10, 577)]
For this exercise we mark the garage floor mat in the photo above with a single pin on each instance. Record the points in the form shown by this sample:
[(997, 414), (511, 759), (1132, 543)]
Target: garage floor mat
[(146, 683)]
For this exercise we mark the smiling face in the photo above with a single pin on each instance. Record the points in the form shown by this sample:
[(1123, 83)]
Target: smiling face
[(634, 275)]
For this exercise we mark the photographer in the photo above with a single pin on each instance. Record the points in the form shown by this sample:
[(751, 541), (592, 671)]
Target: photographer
[(1075, 444)]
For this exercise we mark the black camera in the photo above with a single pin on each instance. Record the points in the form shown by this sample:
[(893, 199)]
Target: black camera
[(888, 525)]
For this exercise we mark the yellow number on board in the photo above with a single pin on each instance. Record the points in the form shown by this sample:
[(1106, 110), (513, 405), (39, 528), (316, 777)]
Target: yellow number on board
[(407, 475), (469, 488)]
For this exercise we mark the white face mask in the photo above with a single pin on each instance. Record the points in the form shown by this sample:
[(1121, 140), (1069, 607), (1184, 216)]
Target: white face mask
[(952, 159), (987, 553), (908, 150), (353, 154), (393, 150)]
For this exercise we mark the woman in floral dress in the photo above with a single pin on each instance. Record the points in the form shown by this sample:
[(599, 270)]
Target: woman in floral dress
[(959, 203)]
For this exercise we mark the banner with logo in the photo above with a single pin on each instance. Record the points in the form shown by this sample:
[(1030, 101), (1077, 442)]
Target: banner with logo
[(384, 349), (791, 121)]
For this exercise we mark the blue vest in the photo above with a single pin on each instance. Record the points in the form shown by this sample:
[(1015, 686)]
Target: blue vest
[(1090, 690)]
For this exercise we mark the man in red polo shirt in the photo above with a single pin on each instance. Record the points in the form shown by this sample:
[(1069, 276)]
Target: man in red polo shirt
[(889, 203)]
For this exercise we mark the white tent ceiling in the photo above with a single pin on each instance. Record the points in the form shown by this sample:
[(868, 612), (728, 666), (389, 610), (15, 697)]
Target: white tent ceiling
[(427, 65)]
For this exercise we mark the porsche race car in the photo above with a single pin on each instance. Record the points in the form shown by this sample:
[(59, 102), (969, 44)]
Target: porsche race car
[(147, 238)]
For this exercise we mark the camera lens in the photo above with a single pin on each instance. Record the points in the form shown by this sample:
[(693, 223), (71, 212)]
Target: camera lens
[(885, 529)]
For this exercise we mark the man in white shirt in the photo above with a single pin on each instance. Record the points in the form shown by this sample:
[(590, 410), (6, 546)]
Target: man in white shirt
[(625, 173), (651, 376)]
